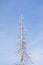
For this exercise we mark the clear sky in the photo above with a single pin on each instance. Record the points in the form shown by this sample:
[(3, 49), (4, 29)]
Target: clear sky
[(10, 11)]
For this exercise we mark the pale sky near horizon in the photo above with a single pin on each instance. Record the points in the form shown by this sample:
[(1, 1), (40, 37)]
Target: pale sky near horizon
[(10, 11)]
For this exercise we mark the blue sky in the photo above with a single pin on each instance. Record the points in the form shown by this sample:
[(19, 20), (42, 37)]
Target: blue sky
[(10, 11)]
